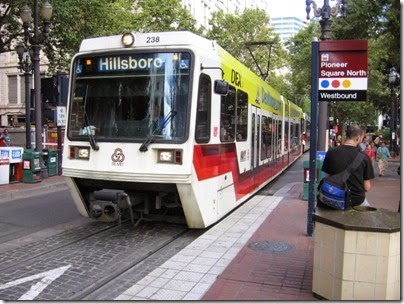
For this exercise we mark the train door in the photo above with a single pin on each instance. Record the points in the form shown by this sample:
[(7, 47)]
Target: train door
[(254, 137), (278, 137), (271, 127)]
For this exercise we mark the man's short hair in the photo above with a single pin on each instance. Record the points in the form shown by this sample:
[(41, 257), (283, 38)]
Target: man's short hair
[(353, 131)]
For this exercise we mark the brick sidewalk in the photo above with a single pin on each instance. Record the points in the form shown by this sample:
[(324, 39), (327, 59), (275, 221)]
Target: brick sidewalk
[(287, 275)]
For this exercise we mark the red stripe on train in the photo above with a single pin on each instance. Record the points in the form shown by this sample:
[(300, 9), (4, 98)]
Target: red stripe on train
[(214, 160)]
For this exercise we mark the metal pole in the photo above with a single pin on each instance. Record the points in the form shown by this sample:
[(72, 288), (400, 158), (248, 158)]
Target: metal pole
[(395, 125), (392, 130), (325, 23), (313, 135), (59, 128), (27, 108), (36, 48)]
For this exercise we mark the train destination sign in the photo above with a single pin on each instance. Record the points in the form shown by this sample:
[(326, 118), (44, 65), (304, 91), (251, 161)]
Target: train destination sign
[(343, 70)]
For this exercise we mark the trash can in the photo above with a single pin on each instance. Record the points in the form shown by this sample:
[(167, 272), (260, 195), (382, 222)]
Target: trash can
[(31, 171), (50, 161), (4, 171), (306, 171)]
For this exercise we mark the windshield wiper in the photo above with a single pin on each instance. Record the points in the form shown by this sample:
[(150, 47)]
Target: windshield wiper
[(90, 135), (150, 139)]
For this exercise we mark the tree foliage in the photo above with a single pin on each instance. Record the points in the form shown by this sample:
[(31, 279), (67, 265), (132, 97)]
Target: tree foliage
[(74, 20), (157, 15), (252, 25), (10, 24), (375, 21)]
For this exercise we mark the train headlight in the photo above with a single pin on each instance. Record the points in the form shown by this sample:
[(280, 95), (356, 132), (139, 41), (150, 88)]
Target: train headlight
[(169, 156), (84, 153), (79, 152), (128, 39)]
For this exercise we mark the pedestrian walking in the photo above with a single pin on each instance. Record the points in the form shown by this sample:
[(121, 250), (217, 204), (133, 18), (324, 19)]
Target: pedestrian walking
[(383, 155), (6, 138)]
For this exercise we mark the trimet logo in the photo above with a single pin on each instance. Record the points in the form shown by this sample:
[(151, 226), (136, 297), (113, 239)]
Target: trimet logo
[(117, 157)]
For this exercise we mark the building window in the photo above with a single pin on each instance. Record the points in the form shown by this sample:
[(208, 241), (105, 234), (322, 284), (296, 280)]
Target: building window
[(12, 89)]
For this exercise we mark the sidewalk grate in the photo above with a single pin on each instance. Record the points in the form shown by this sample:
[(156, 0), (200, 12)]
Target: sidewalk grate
[(271, 246)]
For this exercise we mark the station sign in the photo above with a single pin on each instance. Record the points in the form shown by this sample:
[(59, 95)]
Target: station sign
[(343, 70)]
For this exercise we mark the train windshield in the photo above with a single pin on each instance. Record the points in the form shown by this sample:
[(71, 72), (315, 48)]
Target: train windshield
[(130, 97)]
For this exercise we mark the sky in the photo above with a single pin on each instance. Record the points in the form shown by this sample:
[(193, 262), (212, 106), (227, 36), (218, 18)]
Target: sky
[(290, 8)]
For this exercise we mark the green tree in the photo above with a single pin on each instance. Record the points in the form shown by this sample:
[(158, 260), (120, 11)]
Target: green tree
[(379, 23), (250, 26), (375, 21), (157, 15), (10, 24), (74, 20), (299, 57)]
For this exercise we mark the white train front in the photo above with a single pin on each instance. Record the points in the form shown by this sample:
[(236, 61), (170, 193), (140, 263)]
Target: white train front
[(168, 126)]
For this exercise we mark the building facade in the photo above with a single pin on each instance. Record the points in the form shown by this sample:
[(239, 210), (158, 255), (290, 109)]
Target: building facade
[(286, 27), (12, 89)]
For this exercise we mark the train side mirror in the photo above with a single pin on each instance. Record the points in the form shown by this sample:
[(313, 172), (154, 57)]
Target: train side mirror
[(221, 87)]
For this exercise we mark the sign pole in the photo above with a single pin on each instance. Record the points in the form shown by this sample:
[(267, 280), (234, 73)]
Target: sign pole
[(313, 135)]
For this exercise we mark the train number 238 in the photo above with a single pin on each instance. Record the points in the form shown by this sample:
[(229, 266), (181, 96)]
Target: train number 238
[(153, 39)]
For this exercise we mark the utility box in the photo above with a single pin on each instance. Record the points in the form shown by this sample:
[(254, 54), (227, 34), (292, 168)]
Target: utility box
[(31, 172), (50, 160), (4, 171)]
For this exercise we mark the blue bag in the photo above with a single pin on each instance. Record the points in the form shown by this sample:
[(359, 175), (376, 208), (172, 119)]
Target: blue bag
[(333, 189)]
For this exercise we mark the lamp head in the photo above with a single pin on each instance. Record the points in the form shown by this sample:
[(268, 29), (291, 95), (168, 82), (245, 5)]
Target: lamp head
[(46, 10), (25, 14), (20, 49)]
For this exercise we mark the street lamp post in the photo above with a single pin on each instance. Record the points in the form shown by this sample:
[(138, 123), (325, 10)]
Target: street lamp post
[(393, 119), (325, 12), (25, 65), (36, 39)]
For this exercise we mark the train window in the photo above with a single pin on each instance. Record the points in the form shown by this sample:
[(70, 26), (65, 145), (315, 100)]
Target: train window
[(121, 103), (202, 129), (294, 135), (265, 138), (242, 115), (286, 135), (279, 136), (227, 116)]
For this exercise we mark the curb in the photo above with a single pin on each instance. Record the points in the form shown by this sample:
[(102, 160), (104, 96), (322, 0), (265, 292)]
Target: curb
[(40, 189)]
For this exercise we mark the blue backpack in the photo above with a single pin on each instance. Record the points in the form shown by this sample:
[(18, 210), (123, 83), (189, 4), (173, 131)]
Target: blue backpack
[(333, 189)]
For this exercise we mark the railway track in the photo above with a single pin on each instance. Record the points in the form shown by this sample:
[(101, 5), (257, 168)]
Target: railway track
[(92, 256)]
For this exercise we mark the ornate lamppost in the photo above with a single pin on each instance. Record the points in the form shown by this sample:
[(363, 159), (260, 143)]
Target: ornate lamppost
[(325, 12), (393, 119), (26, 66), (36, 38)]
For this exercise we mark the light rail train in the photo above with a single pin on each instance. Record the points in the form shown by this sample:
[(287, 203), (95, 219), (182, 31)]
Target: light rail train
[(161, 124)]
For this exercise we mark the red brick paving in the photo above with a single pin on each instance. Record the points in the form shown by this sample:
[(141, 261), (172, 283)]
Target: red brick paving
[(260, 275), (286, 276)]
